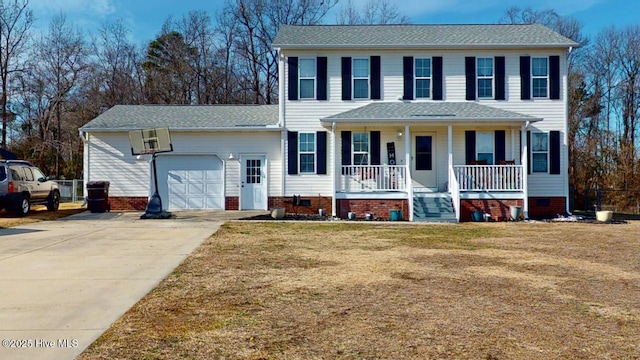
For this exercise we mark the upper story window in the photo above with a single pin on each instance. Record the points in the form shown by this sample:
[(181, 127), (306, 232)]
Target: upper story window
[(540, 77), (307, 152), (360, 148), (539, 152), (361, 78), (422, 69), (307, 78), (485, 78)]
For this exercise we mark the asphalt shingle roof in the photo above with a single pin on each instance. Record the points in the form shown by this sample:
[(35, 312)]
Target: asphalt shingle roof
[(205, 117), (421, 111), (418, 36)]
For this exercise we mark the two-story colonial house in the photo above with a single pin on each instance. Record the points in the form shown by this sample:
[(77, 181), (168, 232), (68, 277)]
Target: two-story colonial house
[(434, 121)]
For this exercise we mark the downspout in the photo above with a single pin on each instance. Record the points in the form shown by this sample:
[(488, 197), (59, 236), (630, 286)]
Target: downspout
[(85, 161), (333, 169), (566, 135), (281, 120)]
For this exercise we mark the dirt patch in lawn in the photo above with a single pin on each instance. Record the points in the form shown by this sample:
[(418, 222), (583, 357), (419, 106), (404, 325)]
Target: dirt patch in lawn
[(393, 291), (39, 213)]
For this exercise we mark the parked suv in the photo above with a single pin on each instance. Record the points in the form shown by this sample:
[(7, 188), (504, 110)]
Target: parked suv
[(22, 184)]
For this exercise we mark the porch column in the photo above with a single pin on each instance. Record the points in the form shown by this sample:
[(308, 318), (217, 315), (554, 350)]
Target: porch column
[(334, 168), (525, 172), (407, 163), (450, 151), (514, 131)]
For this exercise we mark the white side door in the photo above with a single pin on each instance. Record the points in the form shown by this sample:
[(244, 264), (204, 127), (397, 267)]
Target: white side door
[(253, 195)]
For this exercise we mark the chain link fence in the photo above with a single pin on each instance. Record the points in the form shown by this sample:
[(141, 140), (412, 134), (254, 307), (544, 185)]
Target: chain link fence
[(71, 190), (618, 201)]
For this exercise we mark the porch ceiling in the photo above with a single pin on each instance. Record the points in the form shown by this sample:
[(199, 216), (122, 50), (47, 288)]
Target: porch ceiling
[(431, 112)]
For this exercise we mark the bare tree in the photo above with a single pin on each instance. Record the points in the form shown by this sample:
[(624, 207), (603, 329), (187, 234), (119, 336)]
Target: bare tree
[(15, 25), (374, 12), (257, 22)]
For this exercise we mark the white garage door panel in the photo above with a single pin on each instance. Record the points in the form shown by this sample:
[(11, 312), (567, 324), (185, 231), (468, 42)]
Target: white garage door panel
[(192, 182)]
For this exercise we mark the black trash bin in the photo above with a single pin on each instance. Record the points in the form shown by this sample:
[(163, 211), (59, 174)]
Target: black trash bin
[(98, 196)]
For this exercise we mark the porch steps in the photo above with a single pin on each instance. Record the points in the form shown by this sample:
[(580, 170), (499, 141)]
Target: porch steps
[(433, 207)]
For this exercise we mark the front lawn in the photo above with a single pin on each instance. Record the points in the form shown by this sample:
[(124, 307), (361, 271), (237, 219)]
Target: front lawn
[(386, 290)]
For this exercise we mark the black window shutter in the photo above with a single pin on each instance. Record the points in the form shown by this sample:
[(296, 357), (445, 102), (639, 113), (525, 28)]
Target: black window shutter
[(554, 77), (470, 146), (293, 78), (292, 154), (375, 148), (470, 73), (438, 82), (528, 152), (375, 78), (554, 152), (321, 75), (346, 78), (525, 77), (500, 78), (346, 147), (321, 152), (500, 139), (407, 70)]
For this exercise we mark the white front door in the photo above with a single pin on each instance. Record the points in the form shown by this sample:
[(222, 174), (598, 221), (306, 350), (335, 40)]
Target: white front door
[(254, 183), (423, 164)]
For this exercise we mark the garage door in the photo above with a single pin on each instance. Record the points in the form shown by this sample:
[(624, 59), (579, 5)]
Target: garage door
[(193, 182)]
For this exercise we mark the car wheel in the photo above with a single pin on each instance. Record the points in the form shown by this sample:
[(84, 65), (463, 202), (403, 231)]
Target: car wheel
[(23, 207), (53, 202)]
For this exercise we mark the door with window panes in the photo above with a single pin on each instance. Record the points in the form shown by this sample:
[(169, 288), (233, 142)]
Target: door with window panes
[(423, 166), (254, 183)]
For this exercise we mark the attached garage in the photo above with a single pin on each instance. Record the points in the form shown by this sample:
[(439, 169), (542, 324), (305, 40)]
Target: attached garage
[(191, 182)]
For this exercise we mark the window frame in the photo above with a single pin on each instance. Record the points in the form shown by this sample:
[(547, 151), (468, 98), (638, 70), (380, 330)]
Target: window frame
[(367, 153), (534, 152), (355, 78), (307, 152), (417, 78), (302, 78), (534, 77), (491, 134), (491, 77)]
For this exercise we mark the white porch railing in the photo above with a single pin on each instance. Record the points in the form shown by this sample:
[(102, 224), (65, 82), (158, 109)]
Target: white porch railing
[(489, 177), (370, 178)]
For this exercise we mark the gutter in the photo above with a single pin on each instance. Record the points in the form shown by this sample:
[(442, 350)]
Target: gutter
[(225, 129)]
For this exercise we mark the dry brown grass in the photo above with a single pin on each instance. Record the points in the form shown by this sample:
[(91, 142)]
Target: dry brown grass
[(364, 291), (39, 213)]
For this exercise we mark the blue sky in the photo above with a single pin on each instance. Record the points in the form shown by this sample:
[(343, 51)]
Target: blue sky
[(145, 17)]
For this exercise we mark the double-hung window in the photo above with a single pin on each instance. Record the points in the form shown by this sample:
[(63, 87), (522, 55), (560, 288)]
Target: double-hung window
[(307, 78), (540, 77), (485, 146), (307, 152), (423, 77), (360, 148), (361, 78), (485, 78), (539, 152)]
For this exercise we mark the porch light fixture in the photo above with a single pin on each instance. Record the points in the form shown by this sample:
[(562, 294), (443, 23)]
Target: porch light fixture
[(231, 156), (399, 133)]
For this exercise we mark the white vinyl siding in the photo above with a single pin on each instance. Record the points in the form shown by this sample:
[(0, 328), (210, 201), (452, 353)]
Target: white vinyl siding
[(109, 151)]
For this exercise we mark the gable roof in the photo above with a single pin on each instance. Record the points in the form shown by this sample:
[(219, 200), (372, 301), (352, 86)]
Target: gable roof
[(389, 112), (185, 117), (418, 36)]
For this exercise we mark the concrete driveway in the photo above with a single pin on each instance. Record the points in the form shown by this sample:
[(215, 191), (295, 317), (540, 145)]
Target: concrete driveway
[(62, 283)]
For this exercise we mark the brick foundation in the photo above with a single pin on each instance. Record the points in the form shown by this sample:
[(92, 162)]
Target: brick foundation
[(539, 207), (379, 207), (499, 209), (231, 203), (128, 203), (547, 207), (310, 204)]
